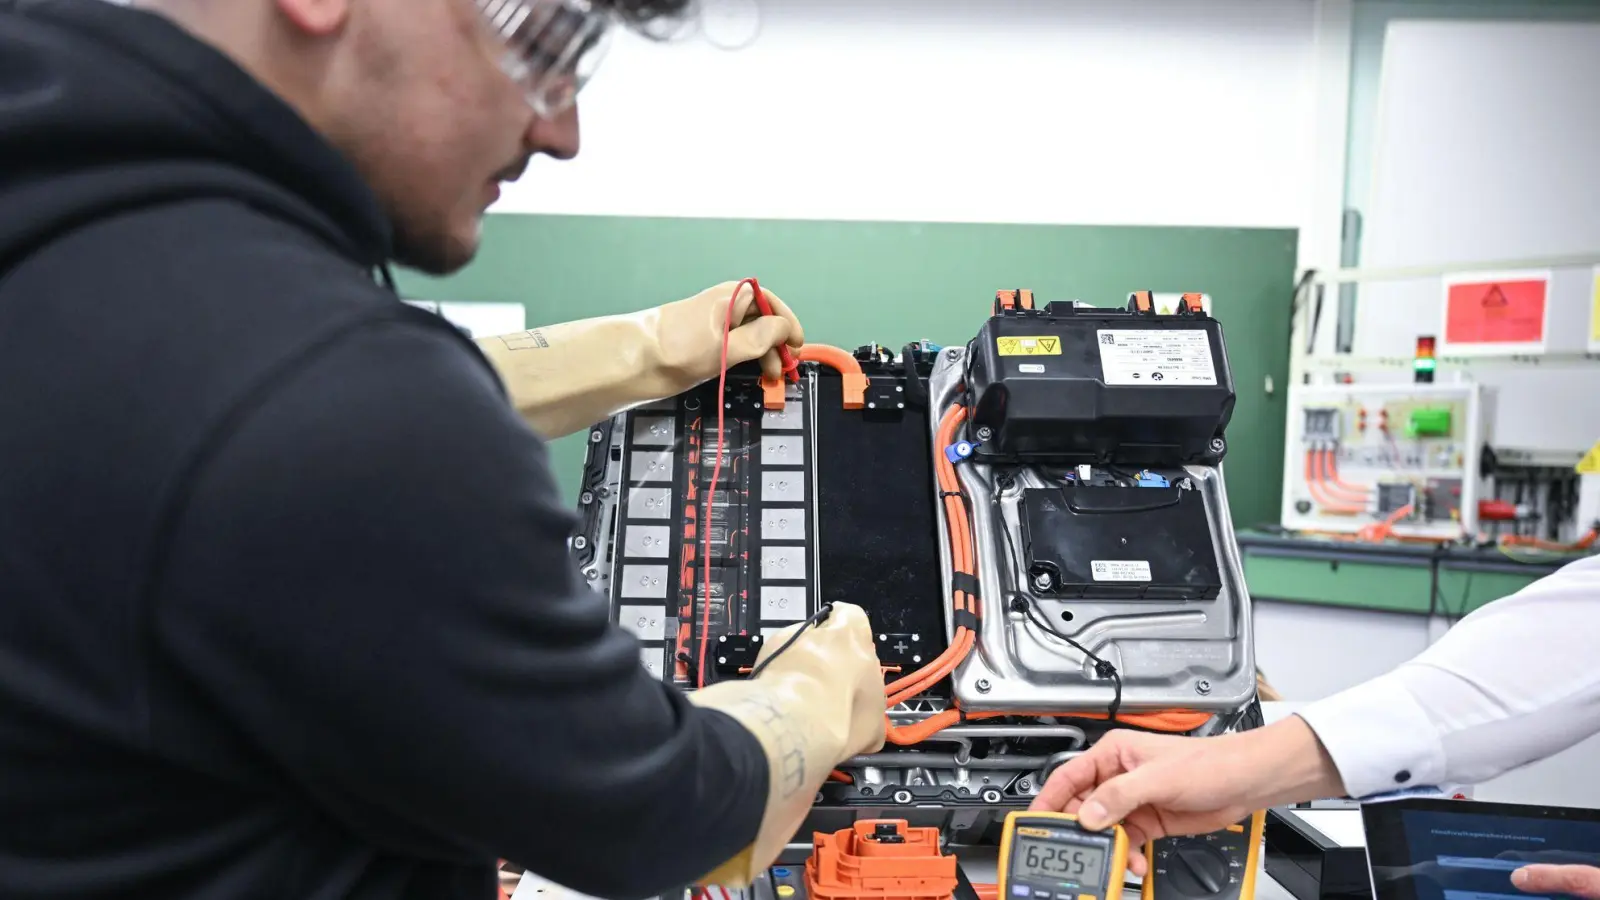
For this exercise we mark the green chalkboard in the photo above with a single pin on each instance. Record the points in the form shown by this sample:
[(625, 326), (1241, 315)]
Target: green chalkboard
[(857, 282)]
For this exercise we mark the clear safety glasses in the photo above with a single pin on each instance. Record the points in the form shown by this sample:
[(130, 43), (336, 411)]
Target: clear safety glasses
[(552, 46)]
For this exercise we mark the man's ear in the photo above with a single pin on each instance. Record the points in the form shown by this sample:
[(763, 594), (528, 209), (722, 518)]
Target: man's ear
[(316, 17)]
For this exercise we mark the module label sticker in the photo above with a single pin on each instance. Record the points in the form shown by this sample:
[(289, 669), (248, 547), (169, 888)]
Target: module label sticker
[(1160, 357), (1028, 346), (1120, 570)]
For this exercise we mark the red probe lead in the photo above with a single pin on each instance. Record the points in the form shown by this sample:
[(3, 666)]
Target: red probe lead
[(791, 370), (791, 366)]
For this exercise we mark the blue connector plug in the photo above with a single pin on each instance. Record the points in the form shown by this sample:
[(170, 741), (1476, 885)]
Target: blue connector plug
[(1151, 479), (959, 451)]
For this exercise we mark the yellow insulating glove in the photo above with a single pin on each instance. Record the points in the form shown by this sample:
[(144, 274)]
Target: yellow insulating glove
[(815, 706), (564, 378)]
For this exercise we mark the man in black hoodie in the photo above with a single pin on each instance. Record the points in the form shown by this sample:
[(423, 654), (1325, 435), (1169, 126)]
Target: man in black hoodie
[(285, 604)]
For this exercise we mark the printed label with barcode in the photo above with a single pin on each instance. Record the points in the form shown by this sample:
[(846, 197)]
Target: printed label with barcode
[(1157, 357), (1120, 570)]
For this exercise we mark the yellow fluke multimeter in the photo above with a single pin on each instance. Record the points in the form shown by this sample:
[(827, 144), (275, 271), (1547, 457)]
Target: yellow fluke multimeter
[(1216, 866), (1049, 856)]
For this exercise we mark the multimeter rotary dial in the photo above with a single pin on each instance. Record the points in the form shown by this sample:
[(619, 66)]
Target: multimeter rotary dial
[(1194, 869), (1213, 866)]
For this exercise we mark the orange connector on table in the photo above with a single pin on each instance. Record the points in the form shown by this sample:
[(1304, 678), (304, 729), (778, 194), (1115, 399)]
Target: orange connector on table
[(880, 859)]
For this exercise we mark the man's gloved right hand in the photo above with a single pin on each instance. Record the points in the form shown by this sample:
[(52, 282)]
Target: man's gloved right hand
[(814, 706)]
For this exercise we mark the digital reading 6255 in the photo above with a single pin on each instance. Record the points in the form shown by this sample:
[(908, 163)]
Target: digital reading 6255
[(1048, 856)]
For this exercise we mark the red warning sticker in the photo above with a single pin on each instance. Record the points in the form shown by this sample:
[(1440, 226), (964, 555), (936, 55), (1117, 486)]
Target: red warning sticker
[(1495, 313)]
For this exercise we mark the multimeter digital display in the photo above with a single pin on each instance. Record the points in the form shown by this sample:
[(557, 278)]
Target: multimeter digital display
[(1048, 856)]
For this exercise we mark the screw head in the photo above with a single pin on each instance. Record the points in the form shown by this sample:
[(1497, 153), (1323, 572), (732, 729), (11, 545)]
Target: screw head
[(605, 492), (591, 574), (1041, 581), (595, 436), (1025, 785), (1202, 686), (983, 685), (902, 796), (953, 353), (587, 498), (580, 542), (1217, 444), (991, 796), (984, 433)]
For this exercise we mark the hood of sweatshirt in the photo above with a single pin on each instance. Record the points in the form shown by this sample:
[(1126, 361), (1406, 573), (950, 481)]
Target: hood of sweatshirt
[(105, 107)]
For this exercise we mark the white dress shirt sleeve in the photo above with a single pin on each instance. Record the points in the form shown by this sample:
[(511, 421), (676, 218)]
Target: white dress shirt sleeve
[(1514, 682)]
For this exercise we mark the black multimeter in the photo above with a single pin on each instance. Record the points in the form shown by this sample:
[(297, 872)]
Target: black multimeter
[(1049, 856)]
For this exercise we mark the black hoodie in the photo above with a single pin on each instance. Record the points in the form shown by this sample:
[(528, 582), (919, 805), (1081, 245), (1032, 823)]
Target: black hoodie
[(285, 604)]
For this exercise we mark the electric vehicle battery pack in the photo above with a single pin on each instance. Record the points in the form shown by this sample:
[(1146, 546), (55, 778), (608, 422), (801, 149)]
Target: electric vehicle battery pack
[(1076, 384), (1119, 543)]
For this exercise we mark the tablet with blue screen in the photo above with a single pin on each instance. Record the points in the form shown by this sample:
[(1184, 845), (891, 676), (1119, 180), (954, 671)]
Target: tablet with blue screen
[(1436, 849)]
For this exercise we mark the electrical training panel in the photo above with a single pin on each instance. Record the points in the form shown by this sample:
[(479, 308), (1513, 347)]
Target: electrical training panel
[(1403, 456)]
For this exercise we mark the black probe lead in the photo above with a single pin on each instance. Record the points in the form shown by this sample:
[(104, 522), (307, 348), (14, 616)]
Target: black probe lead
[(817, 618)]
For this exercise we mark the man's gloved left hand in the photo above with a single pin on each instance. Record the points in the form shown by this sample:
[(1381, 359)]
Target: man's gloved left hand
[(564, 378)]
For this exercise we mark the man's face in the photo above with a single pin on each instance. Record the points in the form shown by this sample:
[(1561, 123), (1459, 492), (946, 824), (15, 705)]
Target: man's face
[(436, 125)]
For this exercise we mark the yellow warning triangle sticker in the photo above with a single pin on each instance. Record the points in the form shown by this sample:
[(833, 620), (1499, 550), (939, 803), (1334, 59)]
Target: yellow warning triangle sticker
[(1049, 344), (1590, 464)]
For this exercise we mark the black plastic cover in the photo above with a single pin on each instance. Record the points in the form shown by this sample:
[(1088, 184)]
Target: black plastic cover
[(1100, 386), (1119, 543)]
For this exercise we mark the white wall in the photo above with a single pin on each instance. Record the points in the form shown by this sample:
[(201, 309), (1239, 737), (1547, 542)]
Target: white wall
[(1165, 112), (1479, 162)]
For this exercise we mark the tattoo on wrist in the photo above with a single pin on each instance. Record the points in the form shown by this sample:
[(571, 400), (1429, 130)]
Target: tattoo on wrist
[(528, 340), (790, 746)]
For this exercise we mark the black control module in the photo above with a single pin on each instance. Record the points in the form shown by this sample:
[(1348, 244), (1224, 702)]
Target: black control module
[(1085, 385), (1119, 543)]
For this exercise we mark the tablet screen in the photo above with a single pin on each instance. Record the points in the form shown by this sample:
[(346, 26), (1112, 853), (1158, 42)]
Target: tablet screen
[(1430, 849)]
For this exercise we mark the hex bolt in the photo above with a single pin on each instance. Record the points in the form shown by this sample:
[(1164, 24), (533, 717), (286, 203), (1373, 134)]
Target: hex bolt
[(983, 685), (580, 542), (587, 498), (991, 796), (902, 797), (1025, 785), (1217, 444), (595, 436), (984, 433), (1041, 581), (1202, 686)]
